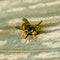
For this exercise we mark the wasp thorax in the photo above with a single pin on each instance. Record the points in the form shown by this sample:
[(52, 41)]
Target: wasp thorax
[(28, 27)]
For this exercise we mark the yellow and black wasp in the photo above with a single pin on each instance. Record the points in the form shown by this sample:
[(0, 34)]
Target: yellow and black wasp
[(28, 29)]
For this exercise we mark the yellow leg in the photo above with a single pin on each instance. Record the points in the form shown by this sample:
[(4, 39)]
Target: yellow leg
[(22, 35)]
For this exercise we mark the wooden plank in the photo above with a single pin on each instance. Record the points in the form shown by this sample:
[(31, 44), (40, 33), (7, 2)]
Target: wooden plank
[(46, 45)]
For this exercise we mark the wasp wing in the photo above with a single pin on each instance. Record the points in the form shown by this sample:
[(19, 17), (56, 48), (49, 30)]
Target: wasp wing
[(19, 27), (26, 21)]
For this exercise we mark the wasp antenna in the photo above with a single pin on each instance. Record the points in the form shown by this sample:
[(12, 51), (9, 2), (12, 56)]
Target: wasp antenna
[(39, 23)]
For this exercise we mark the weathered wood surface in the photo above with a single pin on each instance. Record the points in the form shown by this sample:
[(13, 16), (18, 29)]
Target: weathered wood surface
[(46, 45)]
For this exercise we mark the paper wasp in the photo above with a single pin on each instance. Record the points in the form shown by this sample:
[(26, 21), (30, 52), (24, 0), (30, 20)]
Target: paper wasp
[(28, 29)]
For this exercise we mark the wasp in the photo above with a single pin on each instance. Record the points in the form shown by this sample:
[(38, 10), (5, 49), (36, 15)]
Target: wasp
[(28, 29)]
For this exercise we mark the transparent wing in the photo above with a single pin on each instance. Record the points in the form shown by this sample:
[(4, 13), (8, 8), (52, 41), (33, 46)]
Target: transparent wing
[(19, 27), (26, 21)]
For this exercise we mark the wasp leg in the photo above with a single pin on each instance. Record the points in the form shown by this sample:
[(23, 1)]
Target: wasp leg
[(22, 35), (27, 41)]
